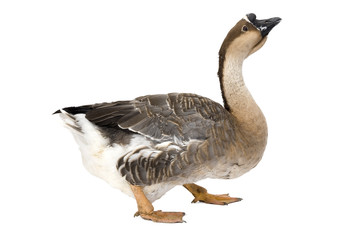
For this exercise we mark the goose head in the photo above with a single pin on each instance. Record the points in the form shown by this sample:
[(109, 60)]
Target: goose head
[(247, 36)]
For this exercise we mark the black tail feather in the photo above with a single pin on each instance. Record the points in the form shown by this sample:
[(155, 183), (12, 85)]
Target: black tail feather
[(76, 110)]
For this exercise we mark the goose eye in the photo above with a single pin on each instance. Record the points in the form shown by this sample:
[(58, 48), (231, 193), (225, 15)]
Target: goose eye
[(244, 28)]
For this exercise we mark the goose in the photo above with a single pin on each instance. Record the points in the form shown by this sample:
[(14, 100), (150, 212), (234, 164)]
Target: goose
[(148, 145)]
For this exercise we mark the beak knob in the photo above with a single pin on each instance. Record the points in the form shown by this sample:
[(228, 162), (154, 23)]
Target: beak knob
[(264, 25)]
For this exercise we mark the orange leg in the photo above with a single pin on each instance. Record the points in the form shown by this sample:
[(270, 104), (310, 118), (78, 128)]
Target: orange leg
[(146, 209), (201, 194)]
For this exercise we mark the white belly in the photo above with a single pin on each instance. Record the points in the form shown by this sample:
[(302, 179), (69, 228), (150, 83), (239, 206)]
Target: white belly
[(100, 158), (103, 165)]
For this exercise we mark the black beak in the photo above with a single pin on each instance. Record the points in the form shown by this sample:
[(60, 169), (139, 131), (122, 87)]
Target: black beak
[(265, 25)]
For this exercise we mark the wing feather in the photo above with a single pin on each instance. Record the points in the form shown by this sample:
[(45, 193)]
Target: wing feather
[(162, 117)]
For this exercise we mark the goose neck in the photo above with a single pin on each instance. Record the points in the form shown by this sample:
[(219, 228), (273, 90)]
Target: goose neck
[(239, 101)]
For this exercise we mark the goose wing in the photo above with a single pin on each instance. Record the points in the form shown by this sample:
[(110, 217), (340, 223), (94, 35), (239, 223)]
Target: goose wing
[(176, 117), (188, 130)]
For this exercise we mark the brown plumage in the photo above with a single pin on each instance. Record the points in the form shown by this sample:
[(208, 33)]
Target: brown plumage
[(150, 144)]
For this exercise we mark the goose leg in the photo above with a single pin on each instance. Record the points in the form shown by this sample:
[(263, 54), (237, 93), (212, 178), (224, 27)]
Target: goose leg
[(146, 209), (200, 194)]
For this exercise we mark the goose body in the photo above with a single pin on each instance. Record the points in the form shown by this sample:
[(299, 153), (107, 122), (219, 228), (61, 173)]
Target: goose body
[(148, 145)]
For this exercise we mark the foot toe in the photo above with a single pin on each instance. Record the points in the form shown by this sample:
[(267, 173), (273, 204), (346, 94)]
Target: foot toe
[(164, 217)]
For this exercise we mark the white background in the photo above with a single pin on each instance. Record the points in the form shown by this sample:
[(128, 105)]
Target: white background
[(306, 79)]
